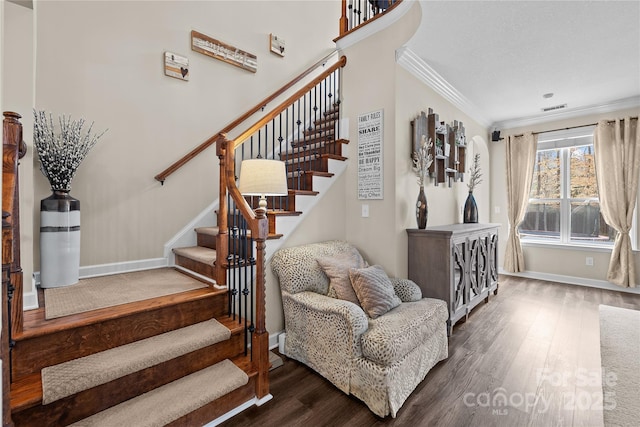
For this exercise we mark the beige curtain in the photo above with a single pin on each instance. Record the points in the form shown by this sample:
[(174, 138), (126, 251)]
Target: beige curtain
[(521, 155), (617, 153)]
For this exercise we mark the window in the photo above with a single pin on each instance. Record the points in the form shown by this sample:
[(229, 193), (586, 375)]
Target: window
[(563, 201)]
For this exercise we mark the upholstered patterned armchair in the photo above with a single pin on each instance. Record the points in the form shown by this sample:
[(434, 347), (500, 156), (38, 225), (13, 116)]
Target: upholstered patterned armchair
[(378, 354)]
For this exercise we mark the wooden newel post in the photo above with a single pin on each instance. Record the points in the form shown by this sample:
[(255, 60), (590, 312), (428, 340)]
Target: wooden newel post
[(344, 21), (222, 240), (260, 340), (13, 149)]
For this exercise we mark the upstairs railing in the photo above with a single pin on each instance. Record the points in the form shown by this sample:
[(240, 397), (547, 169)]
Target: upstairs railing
[(356, 13)]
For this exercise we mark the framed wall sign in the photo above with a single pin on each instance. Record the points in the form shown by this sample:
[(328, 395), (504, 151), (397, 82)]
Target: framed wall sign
[(370, 176), (216, 49)]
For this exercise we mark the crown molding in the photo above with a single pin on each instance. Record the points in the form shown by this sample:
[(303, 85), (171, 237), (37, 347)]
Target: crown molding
[(609, 107), (386, 20), (411, 62)]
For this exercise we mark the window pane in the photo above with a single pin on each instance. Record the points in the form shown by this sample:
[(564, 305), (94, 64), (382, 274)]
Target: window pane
[(542, 220), (587, 224), (583, 172), (546, 175)]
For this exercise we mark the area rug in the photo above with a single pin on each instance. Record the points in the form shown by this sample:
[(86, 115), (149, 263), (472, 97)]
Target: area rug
[(74, 376), (620, 354), (108, 291)]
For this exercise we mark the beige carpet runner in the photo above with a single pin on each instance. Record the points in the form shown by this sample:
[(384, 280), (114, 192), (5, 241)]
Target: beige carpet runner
[(108, 291), (76, 375), (172, 401)]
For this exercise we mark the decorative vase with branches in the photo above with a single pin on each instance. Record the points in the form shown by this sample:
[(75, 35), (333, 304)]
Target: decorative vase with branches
[(422, 160), (470, 213), (60, 154)]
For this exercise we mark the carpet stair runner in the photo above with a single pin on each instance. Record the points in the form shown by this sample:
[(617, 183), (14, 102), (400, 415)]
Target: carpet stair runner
[(74, 367), (169, 403)]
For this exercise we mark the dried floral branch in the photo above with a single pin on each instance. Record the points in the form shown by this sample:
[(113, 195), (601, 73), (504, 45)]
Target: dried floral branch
[(61, 154), (422, 159), (476, 174)]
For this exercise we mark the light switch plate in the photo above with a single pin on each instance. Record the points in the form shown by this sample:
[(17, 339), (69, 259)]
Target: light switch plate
[(365, 211)]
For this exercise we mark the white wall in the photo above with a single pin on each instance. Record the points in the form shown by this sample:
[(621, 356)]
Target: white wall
[(103, 61), (18, 95), (546, 260), (374, 81)]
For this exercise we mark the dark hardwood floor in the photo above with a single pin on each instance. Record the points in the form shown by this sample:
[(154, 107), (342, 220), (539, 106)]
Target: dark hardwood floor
[(536, 345)]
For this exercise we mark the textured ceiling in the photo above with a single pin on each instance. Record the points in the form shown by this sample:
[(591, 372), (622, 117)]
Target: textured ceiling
[(504, 55)]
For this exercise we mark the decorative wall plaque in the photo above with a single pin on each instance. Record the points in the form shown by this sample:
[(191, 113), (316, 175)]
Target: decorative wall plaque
[(370, 178), (276, 44), (223, 52), (176, 66)]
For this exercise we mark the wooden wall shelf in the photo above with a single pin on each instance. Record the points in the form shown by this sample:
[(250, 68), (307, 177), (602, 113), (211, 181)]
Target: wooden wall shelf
[(448, 150)]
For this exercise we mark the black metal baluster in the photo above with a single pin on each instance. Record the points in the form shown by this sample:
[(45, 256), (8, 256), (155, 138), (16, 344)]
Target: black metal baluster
[(300, 144)]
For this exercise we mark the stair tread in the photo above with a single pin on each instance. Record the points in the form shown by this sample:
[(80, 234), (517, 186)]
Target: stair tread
[(174, 400), (211, 231), (283, 213), (35, 323), (74, 376), (197, 253)]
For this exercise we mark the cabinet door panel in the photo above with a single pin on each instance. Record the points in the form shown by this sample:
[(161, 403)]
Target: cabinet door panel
[(459, 297)]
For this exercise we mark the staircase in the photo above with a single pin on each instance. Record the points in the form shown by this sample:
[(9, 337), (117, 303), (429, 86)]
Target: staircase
[(44, 343), (196, 381)]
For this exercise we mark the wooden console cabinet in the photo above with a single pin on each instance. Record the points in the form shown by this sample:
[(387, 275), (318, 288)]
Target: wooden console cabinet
[(457, 263)]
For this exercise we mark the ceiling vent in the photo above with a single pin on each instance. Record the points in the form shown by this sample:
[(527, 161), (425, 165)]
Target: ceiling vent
[(555, 107)]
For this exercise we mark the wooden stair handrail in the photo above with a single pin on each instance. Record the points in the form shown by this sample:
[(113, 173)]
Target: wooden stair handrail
[(162, 176), (240, 139), (344, 20)]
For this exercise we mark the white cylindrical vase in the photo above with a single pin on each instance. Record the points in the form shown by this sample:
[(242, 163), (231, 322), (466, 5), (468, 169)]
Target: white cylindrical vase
[(59, 240)]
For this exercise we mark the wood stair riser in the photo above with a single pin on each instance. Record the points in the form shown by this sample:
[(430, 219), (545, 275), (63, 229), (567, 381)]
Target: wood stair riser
[(81, 405), (302, 142), (312, 164), (32, 354), (206, 240), (302, 182), (287, 203), (205, 269)]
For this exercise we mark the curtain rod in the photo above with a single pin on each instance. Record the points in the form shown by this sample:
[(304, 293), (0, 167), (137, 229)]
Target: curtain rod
[(571, 127)]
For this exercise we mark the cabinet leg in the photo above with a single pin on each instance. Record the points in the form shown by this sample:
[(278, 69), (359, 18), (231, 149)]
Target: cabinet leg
[(449, 328), (495, 292)]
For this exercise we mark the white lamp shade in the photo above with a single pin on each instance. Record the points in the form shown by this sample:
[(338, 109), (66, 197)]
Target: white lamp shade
[(262, 177)]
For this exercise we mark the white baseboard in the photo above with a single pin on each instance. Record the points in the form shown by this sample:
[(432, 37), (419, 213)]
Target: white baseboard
[(235, 411), (571, 280), (273, 339), (30, 299), (115, 268)]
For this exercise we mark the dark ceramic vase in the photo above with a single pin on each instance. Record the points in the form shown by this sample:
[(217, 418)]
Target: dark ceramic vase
[(470, 209), (422, 210)]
